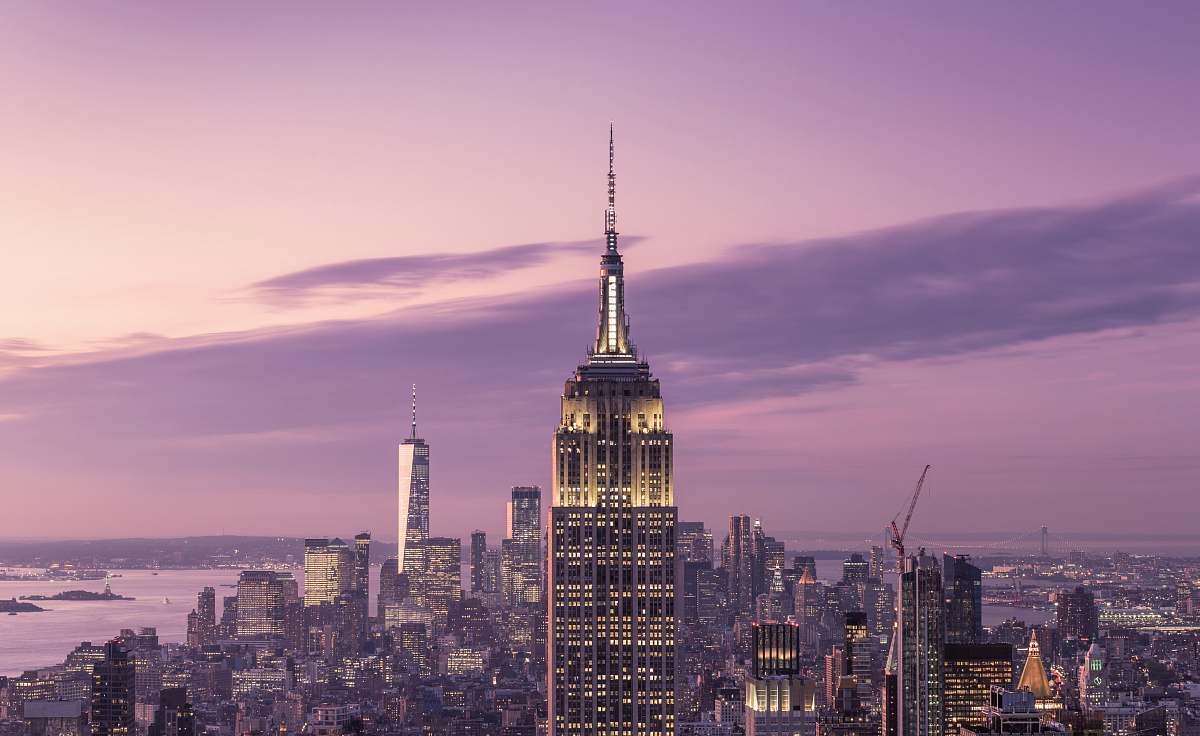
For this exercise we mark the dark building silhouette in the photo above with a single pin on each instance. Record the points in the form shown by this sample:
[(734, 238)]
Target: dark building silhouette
[(388, 586), (113, 691), (963, 585), (478, 560), (174, 716), (1077, 616)]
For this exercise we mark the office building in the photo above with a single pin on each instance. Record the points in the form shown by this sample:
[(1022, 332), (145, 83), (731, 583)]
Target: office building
[(1077, 615), (479, 551), (389, 586), (693, 542), (328, 570), (360, 578), (414, 504), (521, 555), (970, 672), (1093, 679), (263, 598), (202, 622), (777, 700), (740, 560), (443, 576), (876, 563), (612, 538), (776, 649), (174, 716), (920, 637), (963, 585), (855, 569), (113, 692)]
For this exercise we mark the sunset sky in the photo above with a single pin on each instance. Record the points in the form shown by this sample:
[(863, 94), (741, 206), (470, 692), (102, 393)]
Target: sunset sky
[(859, 238)]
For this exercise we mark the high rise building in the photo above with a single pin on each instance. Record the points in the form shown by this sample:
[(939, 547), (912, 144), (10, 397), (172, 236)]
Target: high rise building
[(113, 692), (414, 504), (876, 563), (1093, 683), (202, 622), (776, 649), (389, 586), (963, 585), (778, 701), (174, 716), (360, 579), (478, 560), (740, 562), (490, 580), (443, 575), (612, 540), (855, 569), (693, 542), (521, 556), (1077, 616), (920, 638), (970, 672), (861, 651), (328, 570), (263, 598)]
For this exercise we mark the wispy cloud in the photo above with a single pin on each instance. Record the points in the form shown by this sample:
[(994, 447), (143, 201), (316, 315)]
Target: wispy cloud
[(407, 275), (776, 320)]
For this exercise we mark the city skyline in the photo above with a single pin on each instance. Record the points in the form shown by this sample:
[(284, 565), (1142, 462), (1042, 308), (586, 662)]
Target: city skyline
[(965, 315)]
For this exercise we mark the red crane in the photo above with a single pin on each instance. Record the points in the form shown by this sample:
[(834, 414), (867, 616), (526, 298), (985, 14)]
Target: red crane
[(899, 532)]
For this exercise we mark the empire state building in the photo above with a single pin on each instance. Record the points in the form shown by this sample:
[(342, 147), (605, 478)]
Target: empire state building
[(612, 538)]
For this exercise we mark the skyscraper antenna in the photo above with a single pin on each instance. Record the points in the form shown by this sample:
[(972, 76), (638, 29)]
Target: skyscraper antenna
[(414, 411), (610, 215)]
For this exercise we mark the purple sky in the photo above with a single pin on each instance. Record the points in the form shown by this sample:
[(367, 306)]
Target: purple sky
[(858, 239)]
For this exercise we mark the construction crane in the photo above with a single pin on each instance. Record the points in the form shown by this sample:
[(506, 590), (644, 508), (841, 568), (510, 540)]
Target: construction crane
[(899, 532)]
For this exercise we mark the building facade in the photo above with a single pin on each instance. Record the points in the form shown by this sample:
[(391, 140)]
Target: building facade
[(328, 570), (611, 655), (414, 504), (919, 642)]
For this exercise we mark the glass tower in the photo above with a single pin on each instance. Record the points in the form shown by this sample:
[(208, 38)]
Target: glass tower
[(612, 538), (414, 506)]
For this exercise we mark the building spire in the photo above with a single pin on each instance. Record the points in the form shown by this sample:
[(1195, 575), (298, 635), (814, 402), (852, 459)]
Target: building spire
[(612, 336), (610, 215), (414, 411)]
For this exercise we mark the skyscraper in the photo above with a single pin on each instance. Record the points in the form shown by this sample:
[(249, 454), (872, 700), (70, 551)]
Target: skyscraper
[(919, 642), (1093, 684), (360, 578), (778, 700), (1077, 615), (612, 540), (521, 560), (738, 558), (328, 570), (478, 560), (693, 542), (388, 586), (443, 575), (855, 569), (263, 597), (113, 684), (970, 672), (414, 504), (963, 585)]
